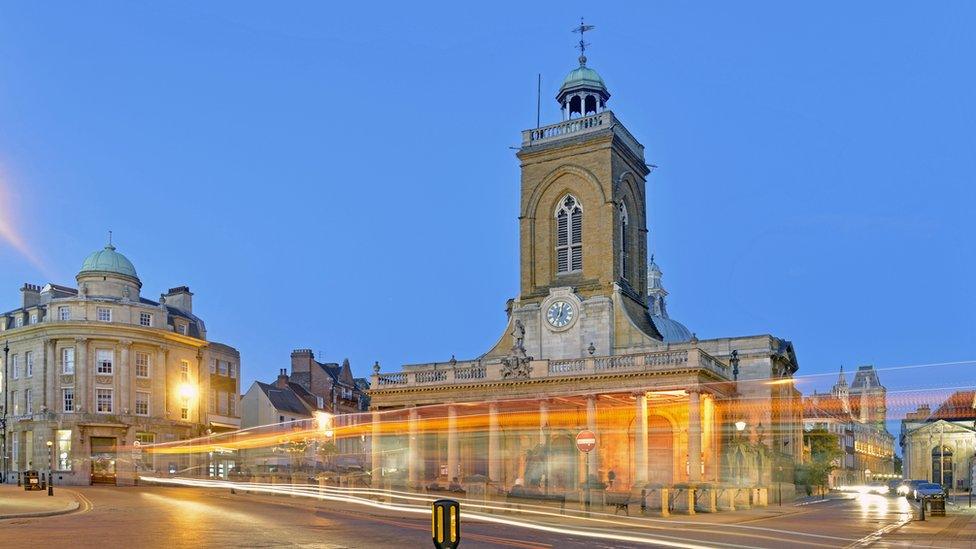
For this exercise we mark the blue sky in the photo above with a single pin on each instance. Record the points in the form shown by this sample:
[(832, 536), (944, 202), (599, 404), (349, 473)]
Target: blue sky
[(339, 176)]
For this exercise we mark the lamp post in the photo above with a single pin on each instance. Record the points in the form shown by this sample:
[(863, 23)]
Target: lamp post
[(50, 470), (740, 426)]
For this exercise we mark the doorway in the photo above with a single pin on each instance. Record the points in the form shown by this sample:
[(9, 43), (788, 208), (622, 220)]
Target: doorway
[(103, 452)]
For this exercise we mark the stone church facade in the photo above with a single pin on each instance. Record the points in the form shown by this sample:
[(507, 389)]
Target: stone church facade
[(589, 345)]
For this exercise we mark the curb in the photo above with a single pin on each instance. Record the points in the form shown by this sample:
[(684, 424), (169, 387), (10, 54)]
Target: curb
[(69, 509)]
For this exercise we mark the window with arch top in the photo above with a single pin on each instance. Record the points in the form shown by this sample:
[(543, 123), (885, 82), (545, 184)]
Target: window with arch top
[(569, 236), (624, 241)]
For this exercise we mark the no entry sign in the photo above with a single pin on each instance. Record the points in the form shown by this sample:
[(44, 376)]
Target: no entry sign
[(586, 441)]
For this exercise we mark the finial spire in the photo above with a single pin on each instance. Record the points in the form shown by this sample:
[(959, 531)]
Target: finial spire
[(110, 246), (582, 29)]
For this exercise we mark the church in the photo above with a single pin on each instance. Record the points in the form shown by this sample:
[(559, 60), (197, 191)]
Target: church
[(589, 345)]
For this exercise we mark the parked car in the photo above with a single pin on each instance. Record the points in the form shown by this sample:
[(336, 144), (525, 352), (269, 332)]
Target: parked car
[(928, 490), (894, 484), (907, 489)]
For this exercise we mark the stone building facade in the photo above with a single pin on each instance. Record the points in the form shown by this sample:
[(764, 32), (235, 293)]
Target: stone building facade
[(103, 373), (589, 345), (856, 413), (940, 446)]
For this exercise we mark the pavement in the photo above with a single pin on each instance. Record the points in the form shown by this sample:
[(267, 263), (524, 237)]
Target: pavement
[(956, 529), (15, 502), (173, 517)]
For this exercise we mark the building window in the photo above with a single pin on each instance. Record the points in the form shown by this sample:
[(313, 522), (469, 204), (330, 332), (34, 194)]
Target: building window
[(103, 401), (185, 408), (224, 398), (212, 405), (29, 360), (232, 369), (142, 364), (15, 448), (184, 371), (16, 403), (145, 319), (28, 401), (232, 403), (145, 461), (19, 322), (68, 360), (64, 449), (104, 314), (68, 399), (15, 366), (569, 236), (142, 403), (281, 419), (33, 318), (624, 242), (213, 365), (64, 313), (103, 360), (222, 367), (182, 328)]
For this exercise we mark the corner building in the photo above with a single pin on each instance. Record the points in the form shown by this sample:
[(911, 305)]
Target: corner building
[(102, 373), (589, 345)]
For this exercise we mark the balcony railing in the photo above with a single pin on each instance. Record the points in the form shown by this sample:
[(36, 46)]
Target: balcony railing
[(448, 373), (581, 126)]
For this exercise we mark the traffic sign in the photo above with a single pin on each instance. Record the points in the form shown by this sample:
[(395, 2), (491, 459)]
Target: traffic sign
[(586, 441)]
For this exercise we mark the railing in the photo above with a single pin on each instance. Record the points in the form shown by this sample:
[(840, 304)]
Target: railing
[(567, 127), (474, 371), (559, 367), (430, 376)]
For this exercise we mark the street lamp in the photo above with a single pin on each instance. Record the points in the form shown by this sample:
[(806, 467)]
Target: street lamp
[(50, 470), (740, 426)]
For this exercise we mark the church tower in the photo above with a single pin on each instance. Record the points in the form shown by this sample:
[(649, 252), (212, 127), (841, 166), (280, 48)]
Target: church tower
[(583, 230)]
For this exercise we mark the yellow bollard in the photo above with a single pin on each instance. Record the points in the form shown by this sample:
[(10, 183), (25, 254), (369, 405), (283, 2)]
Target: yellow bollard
[(445, 523)]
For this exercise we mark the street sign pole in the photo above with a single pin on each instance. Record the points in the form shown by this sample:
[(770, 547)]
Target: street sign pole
[(586, 442)]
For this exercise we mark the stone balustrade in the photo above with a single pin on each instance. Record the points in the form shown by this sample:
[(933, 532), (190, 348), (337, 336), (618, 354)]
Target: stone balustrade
[(581, 126), (463, 372)]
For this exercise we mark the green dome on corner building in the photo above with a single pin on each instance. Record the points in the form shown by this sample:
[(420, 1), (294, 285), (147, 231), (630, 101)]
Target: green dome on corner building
[(583, 77), (583, 92), (107, 260)]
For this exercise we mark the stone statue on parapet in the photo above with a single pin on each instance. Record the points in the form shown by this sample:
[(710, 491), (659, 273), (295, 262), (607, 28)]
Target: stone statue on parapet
[(516, 364)]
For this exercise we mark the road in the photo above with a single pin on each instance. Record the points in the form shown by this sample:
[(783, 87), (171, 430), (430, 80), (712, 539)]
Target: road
[(174, 517)]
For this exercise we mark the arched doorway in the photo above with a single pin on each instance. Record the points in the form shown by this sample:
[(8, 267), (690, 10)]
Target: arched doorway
[(660, 451), (942, 466)]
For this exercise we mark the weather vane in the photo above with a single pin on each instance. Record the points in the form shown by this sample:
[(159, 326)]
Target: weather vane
[(582, 29)]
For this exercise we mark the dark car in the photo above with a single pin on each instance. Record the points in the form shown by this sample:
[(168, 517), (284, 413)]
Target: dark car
[(928, 490), (908, 488), (894, 484)]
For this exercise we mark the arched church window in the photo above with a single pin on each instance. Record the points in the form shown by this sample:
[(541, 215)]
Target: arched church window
[(569, 236), (624, 242)]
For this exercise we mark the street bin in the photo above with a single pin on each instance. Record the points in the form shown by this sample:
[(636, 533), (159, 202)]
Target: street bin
[(32, 481), (937, 507)]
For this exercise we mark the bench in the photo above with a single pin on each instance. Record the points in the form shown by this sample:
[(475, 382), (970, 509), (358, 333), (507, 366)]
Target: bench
[(620, 501)]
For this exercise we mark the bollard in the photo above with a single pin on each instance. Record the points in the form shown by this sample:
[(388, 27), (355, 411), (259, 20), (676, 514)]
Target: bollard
[(445, 523), (644, 501), (50, 484)]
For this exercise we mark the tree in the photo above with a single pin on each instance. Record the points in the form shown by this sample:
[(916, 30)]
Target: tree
[(825, 451)]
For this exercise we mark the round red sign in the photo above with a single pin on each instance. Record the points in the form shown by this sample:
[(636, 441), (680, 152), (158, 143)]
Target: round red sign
[(586, 441)]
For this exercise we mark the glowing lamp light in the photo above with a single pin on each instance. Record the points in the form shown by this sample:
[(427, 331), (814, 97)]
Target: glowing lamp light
[(49, 444), (324, 421), (187, 391), (740, 425)]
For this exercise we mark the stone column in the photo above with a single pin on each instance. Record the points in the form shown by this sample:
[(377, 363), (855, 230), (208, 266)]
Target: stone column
[(641, 476), (494, 457), (543, 420), (82, 371), (125, 378), (413, 469), (591, 425), (203, 387), (694, 436), (376, 451), (452, 444), (160, 395), (50, 374)]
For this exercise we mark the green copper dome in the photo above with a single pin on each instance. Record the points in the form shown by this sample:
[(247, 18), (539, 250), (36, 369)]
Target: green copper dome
[(108, 260), (583, 78)]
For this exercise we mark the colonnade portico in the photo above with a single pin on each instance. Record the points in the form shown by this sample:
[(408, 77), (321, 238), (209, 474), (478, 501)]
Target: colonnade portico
[(531, 442)]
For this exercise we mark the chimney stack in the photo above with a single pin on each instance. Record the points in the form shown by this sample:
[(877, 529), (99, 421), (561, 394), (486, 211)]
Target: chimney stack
[(282, 382), (301, 360), (31, 294), (180, 297)]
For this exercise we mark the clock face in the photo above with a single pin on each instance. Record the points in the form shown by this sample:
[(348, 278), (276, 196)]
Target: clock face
[(560, 314)]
